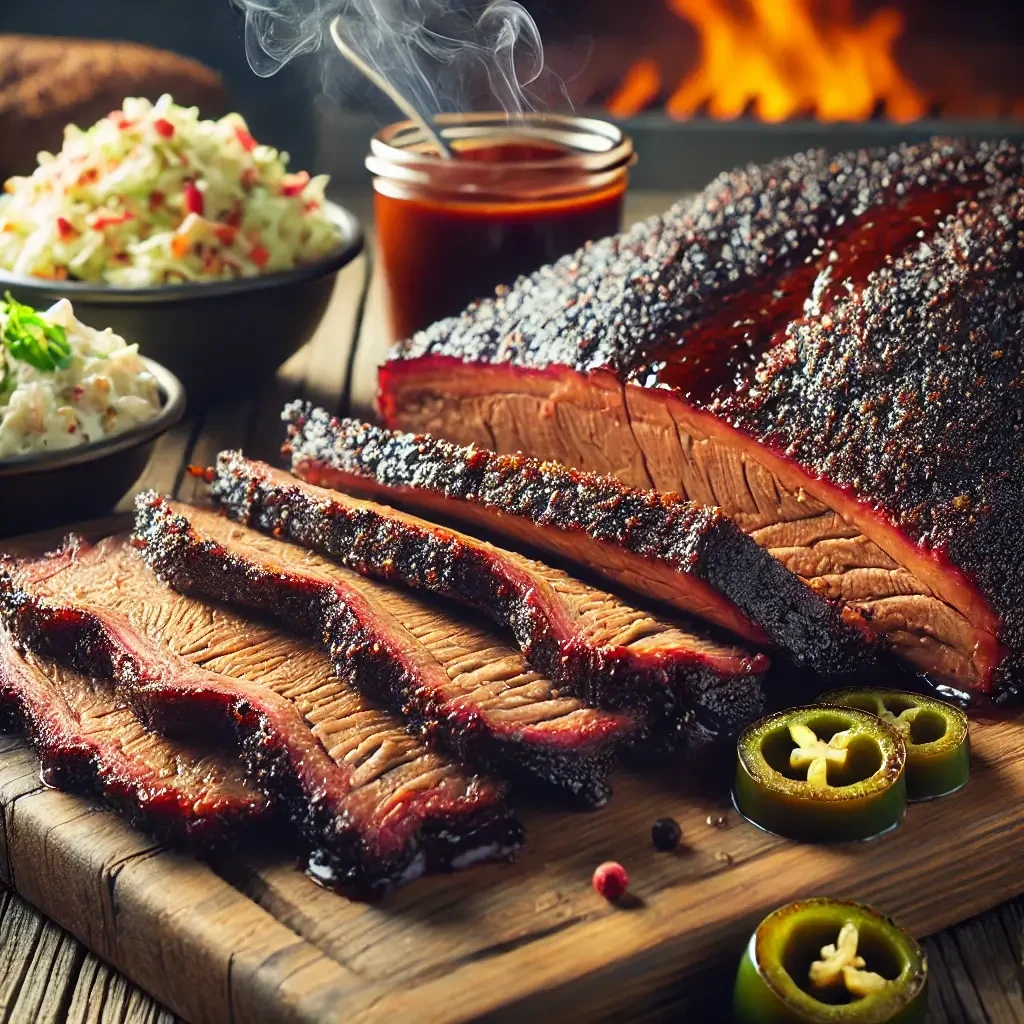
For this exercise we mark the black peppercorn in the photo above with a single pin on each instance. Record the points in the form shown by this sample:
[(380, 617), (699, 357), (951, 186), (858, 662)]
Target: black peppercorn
[(666, 834)]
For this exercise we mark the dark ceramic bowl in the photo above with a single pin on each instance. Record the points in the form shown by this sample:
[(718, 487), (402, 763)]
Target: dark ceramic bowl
[(217, 336), (48, 489)]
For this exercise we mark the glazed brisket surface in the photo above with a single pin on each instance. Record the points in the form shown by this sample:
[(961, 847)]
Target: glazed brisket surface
[(689, 556), (588, 642), (372, 804), (448, 675), (830, 348), (88, 741)]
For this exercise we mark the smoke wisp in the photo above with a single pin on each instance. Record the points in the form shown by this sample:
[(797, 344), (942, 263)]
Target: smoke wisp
[(442, 54)]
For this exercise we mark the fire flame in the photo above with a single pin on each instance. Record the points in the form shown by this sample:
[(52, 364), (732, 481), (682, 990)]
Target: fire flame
[(783, 59), (639, 89)]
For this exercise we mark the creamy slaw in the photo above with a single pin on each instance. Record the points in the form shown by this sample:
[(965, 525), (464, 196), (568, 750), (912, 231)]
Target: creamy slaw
[(86, 385)]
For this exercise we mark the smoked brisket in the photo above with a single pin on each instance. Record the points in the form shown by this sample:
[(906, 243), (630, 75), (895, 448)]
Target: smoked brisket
[(372, 805), (829, 348), (452, 679), (588, 642), (673, 551), (89, 742)]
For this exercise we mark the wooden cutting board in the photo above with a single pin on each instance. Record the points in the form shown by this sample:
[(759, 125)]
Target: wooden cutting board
[(247, 937)]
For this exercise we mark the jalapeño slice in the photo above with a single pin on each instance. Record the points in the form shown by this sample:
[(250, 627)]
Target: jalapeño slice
[(826, 961), (934, 732), (821, 773)]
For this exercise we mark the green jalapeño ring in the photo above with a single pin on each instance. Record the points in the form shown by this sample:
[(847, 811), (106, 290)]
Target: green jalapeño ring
[(823, 961), (934, 732), (821, 773)]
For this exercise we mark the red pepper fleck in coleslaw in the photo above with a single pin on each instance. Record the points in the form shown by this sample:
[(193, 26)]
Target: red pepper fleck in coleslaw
[(153, 195)]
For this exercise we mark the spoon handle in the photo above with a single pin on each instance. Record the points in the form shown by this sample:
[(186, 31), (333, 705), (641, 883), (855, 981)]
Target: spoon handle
[(388, 89)]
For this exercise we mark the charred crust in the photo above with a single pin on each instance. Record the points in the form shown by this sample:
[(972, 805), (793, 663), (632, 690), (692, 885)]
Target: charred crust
[(604, 305), (669, 695), (363, 657), (694, 540), (910, 395), (83, 766), (342, 847), (810, 627)]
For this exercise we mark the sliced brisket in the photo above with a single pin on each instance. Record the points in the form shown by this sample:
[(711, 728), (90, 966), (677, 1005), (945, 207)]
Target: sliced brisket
[(831, 349), (588, 642), (88, 741), (372, 804), (452, 678), (666, 548)]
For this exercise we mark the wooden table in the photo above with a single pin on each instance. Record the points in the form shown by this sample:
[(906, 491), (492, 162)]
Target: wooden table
[(46, 975)]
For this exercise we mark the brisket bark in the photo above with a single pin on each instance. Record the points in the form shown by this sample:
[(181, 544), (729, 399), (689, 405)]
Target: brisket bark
[(689, 556), (453, 680), (372, 805), (88, 741), (588, 642), (830, 348)]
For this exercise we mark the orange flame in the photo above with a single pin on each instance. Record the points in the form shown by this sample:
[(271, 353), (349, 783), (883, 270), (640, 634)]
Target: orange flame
[(639, 89), (782, 60)]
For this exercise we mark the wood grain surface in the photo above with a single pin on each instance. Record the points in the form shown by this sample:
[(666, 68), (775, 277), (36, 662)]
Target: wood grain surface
[(247, 937)]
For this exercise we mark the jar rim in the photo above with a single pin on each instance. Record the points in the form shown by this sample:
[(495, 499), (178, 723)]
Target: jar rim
[(591, 149)]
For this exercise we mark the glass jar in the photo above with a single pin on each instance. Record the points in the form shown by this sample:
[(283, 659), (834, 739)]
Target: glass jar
[(519, 194)]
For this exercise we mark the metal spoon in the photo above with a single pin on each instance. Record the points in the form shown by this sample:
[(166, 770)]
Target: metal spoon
[(389, 90)]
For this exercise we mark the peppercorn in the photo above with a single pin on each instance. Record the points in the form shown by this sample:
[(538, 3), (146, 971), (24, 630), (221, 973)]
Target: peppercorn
[(610, 880), (666, 834)]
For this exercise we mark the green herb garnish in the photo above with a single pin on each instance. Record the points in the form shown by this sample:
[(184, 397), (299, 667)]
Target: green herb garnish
[(33, 339)]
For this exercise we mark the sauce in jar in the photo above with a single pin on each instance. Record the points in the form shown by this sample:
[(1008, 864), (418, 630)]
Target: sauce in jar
[(517, 195)]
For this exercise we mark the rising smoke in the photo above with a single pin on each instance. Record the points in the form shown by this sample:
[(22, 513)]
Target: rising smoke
[(441, 53)]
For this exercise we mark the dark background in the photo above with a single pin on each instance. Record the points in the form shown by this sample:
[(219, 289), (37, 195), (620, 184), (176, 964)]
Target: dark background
[(589, 44), (280, 110)]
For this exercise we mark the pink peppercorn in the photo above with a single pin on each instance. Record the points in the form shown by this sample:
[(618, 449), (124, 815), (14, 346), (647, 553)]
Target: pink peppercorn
[(610, 880)]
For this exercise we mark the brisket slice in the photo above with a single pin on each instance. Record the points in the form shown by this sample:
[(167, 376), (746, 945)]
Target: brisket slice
[(689, 556), (88, 741), (828, 348), (452, 679), (588, 642), (372, 805)]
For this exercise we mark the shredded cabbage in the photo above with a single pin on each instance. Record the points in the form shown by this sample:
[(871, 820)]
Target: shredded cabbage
[(102, 388), (153, 195)]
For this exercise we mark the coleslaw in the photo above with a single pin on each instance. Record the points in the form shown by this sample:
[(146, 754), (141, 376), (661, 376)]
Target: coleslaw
[(64, 384), (153, 195)]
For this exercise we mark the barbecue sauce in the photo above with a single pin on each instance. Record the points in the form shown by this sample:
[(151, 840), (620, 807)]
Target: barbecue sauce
[(441, 250)]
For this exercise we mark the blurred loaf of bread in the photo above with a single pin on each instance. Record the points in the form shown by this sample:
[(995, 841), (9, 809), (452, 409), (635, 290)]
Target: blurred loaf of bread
[(48, 82)]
